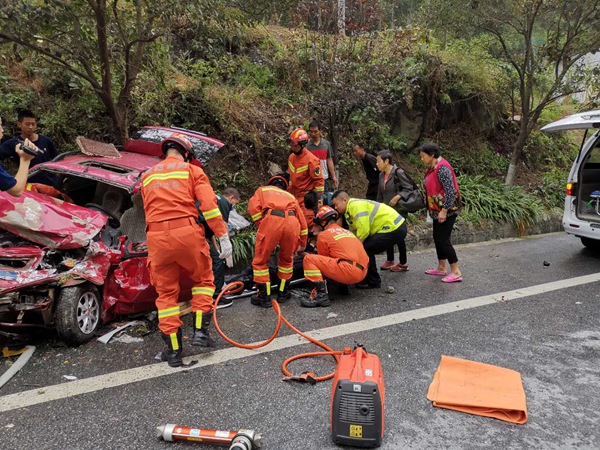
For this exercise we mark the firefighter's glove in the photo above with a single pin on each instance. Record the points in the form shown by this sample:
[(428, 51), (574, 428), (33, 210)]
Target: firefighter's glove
[(226, 248)]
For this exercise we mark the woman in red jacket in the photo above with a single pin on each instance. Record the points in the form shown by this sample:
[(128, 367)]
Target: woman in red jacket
[(443, 204)]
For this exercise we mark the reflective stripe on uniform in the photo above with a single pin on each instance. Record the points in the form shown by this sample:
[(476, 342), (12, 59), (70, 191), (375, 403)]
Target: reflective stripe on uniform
[(342, 236), (372, 216), (285, 269), (211, 214), (320, 189), (257, 216), (398, 220), (261, 273), (302, 169), (304, 232), (198, 319), (312, 273), (174, 341), (168, 312), (282, 285), (291, 167), (199, 290), (182, 175), (278, 190)]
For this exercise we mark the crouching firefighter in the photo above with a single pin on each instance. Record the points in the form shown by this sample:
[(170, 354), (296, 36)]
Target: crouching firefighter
[(170, 190), (280, 221), (341, 257)]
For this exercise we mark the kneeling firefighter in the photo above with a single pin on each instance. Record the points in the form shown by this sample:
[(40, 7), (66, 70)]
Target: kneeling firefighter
[(341, 257), (170, 190), (280, 220)]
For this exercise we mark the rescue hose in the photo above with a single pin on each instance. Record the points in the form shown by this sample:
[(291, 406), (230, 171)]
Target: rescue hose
[(237, 286)]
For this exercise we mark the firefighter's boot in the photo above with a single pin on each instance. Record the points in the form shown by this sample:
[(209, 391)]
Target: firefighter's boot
[(201, 334), (263, 296), (283, 295), (172, 355), (318, 296)]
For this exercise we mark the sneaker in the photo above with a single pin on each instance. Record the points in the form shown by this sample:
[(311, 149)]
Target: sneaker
[(399, 268), (387, 265), (225, 302)]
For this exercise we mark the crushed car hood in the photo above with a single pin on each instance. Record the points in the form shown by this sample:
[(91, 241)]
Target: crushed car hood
[(48, 221)]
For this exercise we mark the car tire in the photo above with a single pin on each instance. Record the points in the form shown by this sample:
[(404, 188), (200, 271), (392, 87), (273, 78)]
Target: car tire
[(77, 313), (592, 244)]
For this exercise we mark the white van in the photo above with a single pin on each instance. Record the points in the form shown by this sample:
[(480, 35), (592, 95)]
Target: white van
[(582, 204)]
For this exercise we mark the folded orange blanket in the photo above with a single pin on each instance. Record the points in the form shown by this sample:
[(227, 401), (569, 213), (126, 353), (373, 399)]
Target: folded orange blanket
[(478, 388)]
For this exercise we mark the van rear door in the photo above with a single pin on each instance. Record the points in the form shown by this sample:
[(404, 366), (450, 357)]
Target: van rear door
[(580, 121)]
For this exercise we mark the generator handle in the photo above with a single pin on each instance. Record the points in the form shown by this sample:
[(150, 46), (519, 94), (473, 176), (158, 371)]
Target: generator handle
[(359, 354)]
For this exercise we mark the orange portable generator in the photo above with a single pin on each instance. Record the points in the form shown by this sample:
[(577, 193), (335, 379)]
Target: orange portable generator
[(357, 399)]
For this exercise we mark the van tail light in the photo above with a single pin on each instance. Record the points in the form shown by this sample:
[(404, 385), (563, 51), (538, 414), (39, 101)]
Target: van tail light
[(572, 189)]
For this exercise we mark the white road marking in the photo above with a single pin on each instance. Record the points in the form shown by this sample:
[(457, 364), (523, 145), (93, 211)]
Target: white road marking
[(128, 376)]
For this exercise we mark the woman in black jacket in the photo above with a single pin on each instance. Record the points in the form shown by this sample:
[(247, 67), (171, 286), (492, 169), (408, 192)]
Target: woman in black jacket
[(393, 184)]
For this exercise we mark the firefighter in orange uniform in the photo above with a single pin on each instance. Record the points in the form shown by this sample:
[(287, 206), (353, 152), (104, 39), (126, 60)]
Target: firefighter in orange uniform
[(175, 241), (280, 221), (341, 257), (305, 171)]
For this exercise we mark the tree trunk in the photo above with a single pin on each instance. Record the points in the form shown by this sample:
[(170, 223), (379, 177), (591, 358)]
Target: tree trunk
[(118, 118), (517, 152), (341, 17)]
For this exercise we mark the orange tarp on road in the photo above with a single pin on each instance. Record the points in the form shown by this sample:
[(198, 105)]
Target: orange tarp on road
[(480, 389)]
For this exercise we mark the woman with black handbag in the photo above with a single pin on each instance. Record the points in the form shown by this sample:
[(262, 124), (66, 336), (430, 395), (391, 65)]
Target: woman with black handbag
[(394, 187)]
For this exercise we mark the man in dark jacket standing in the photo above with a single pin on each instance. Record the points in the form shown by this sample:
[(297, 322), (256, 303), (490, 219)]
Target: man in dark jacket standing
[(369, 163), (27, 123)]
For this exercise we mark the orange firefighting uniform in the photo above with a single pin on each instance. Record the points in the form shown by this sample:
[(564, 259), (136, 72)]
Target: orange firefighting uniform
[(305, 175), (341, 257), (175, 240), (280, 221)]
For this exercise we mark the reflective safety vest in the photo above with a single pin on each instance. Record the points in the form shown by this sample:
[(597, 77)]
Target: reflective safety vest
[(366, 218)]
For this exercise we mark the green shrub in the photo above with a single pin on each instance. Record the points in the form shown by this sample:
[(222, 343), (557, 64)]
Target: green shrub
[(551, 190), (550, 150), (486, 199), (243, 245)]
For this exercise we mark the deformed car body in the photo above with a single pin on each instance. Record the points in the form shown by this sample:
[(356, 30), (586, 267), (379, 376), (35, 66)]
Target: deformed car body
[(73, 265)]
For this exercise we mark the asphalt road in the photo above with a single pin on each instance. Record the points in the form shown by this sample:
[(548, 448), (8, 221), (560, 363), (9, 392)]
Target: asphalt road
[(511, 310)]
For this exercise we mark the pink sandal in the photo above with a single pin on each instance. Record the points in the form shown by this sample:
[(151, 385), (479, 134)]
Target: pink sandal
[(436, 272), (451, 279)]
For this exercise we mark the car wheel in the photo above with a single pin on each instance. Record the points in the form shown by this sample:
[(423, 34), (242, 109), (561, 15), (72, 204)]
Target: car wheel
[(592, 244), (77, 314)]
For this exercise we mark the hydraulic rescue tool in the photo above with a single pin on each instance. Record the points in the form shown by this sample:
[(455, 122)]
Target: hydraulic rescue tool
[(237, 440), (358, 399), (358, 391)]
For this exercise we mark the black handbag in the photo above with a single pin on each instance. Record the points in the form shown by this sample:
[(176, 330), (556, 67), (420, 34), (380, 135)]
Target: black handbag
[(412, 201)]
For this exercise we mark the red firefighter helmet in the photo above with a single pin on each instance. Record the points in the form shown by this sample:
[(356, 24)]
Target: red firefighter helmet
[(179, 142), (278, 181), (324, 214), (298, 137)]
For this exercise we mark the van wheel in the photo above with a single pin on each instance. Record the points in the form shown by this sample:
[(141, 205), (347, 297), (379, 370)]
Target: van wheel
[(592, 244), (77, 313)]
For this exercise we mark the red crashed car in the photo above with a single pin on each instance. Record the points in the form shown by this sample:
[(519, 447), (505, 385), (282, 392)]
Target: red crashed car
[(75, 264)]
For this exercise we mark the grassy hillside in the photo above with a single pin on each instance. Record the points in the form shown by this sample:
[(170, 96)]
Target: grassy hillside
[(386, 90)]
